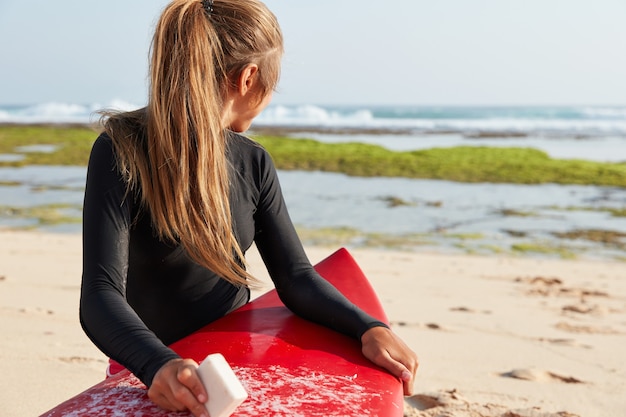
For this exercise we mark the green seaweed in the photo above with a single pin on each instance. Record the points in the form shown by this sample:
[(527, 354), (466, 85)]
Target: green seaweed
[(543, 249), (49, 187), (461, 163), (44, 215), (605, 237), (515, 213), (492, 248), (72, 144), (393, 202), (515, 233), (613, 211), (616, 212), (337, 236), (464, 236)]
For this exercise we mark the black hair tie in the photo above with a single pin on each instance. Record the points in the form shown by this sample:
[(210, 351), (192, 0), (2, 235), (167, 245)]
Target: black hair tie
[(208, 6)]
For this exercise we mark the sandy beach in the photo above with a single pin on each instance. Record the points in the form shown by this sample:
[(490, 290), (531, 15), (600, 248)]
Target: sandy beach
[(496, 336)]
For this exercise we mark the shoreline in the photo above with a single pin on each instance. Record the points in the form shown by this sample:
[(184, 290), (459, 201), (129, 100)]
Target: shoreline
[(494, 334), (417, 243), (267, 129), (596, 241)]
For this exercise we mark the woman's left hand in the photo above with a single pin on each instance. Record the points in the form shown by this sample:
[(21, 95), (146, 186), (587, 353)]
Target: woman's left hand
[(387, 350)]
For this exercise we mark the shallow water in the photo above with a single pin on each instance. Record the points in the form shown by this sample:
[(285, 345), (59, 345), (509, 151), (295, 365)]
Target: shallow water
[(602, 149), (335, 200), (41, 185), (449, 215)]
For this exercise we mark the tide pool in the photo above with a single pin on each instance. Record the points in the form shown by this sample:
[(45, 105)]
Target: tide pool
[(418, 214)]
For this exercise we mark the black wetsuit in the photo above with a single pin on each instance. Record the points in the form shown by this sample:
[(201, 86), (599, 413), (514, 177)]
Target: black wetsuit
[(140, 294)]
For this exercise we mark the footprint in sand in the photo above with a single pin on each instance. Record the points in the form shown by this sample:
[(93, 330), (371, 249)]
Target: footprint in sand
[(564, 342), (431, 326), (548, 287), (35, 310), (451, 403), (423, 401), (469, 310), (427, 401), (80, 359), (582, 308), (581, 328), (538, 375)]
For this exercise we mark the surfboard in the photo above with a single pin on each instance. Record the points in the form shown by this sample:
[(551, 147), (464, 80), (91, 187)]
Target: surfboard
[(289, 366)]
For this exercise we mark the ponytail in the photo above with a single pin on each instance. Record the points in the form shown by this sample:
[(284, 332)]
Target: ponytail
[(177, 159)]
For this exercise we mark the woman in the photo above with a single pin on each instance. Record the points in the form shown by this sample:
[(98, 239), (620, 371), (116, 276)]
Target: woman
[(175, 197)]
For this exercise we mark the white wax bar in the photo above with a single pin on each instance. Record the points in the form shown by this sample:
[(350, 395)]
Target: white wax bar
[(224, 389)]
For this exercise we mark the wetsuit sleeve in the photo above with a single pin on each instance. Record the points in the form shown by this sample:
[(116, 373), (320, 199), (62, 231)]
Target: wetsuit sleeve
[(297, 283), (105, 316)]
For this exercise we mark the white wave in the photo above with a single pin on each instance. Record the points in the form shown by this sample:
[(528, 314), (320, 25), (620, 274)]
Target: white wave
[(605, 112), (310, 115), (44, 112), (538, 126), (118, 104), (315, 116), (579, 121), (58, 112), (55, 110)]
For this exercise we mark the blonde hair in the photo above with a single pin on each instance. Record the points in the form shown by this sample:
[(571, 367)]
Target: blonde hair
[(173, 152)]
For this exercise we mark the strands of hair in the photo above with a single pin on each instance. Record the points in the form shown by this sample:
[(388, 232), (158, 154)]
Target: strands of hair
[(173, 152)]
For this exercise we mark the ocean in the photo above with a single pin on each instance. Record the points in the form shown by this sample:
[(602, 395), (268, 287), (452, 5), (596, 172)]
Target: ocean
[(531, 121), (585, 132), (434, 215), (543, 121), (582, 132)]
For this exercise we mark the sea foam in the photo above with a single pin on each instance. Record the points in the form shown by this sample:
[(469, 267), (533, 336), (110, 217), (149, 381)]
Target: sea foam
[(58, 112), (572, 121)]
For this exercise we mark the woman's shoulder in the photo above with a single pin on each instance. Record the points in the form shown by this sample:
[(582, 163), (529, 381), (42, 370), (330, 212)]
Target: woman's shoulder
[(240, 146), (252, 162), (102, 147)]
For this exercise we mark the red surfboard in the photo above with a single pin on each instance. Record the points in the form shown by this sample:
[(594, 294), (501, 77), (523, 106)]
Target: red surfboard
[(289, 366)]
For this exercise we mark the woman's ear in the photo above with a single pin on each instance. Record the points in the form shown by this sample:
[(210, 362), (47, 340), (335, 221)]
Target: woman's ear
[(247, 79)]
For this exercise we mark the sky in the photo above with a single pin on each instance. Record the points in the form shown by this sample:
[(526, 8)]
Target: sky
[(402, 52)]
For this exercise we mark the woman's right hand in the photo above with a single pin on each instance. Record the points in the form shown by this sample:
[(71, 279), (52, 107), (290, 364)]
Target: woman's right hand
[(177, 387)]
